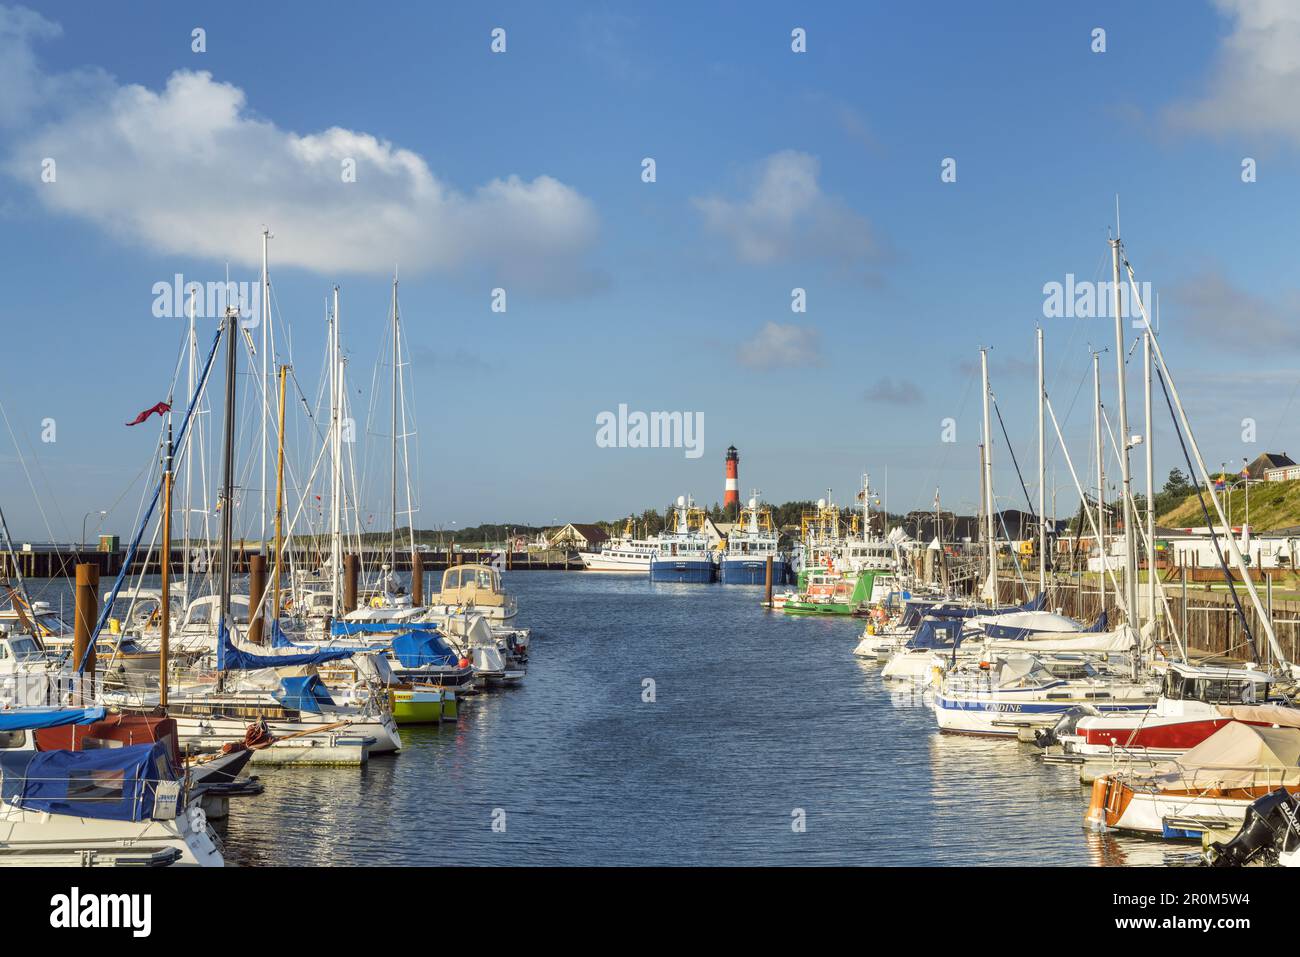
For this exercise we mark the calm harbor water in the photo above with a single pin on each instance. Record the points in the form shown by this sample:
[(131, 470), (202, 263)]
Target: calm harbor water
[(756, 715)]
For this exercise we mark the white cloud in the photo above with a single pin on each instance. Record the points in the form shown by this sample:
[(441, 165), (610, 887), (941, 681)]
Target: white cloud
[(778, 346), (189, 170), (787, 217), (893, 392), (1252, 89), (1213, 308)]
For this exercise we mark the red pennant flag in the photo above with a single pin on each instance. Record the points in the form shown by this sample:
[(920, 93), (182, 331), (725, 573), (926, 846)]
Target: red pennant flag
[(160, 408)]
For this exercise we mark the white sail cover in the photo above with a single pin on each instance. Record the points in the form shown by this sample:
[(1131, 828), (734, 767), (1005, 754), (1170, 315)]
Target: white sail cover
[(1122, 639), (1033, 621)]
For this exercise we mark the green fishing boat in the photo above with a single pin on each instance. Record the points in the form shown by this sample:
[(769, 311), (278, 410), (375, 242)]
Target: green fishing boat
[(830, 593)]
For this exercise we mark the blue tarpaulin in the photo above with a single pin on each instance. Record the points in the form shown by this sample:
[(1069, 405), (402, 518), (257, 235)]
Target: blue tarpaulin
[(936, 633), (117, 784), (423, 647), (368, 627), (280, 640), (30, 719), (230, 658), (304, 693), (974, 611), (1100, 624)]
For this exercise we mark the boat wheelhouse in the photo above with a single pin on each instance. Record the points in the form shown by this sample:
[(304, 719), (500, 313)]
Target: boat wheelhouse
[(475, 588)]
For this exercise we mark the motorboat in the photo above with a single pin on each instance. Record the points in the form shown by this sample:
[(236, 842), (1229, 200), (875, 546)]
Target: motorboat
[(1195, 702), (1209, 788), (476, 588)]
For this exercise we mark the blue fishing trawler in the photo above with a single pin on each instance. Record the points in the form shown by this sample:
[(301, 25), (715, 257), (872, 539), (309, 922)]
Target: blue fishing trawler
[(749, 545), (684, 552)]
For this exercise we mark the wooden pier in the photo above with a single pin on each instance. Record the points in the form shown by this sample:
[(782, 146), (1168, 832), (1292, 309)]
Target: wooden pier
[(60, 561)]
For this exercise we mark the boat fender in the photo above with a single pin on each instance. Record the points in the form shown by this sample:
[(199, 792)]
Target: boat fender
[(1095, 817)]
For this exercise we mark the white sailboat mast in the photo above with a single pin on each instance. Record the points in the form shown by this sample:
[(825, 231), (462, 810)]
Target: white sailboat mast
[(1042, 474), (392, 538), (1151, 480), (266, 409), (991, 585), (1237, 559), (1126, 478), (336, 442), (1101, 476), (189, 470)]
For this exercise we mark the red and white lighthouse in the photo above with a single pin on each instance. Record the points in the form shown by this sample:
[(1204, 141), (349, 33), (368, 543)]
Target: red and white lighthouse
[(731, 493)]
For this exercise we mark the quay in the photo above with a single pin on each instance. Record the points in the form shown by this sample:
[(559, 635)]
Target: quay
[(60, 561)]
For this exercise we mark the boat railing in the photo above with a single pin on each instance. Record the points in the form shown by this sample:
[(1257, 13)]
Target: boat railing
[(43, 689)]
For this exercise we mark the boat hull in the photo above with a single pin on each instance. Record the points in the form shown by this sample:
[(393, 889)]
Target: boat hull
[(689, 570), (995, 717), (753, 571), (418, 706), (600, 562)]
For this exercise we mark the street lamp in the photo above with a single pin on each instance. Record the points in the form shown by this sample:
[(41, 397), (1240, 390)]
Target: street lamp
[(102, 515), (1245, 477)]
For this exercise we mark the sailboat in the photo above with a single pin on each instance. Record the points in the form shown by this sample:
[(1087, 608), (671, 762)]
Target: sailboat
[(274, 688)]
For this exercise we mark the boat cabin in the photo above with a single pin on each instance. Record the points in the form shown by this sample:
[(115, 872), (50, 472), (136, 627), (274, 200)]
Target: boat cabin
[(203, 613), (478, 585), (1215, 685)]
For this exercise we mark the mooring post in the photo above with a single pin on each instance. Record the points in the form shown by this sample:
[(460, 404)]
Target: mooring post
[(350, 569), (417, 580), (767, 579), (256, 589), (83, 626)]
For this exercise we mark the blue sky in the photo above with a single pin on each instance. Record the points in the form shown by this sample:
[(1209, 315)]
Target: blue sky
[(522, 170)]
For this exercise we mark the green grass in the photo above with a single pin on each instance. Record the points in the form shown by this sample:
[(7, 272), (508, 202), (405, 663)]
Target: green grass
[(1272, 505)]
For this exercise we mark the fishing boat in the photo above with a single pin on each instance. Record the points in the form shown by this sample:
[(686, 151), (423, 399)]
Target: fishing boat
[(750, 545), (1209, 788), (830, 593), (625, 554), (684, 553)]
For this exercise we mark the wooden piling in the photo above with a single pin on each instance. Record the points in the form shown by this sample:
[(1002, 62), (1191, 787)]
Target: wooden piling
[(350, 570), (256, 589), (85, 614), (767, 579), (417, 580)]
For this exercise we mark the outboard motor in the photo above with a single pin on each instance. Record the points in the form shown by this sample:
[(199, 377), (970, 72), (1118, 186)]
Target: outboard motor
[(1270, 828), (1068, 724)]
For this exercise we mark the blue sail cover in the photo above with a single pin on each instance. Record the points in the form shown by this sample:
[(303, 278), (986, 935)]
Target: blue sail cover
[(917, 608), (31, 719), (116, 784), (280, 640), (423, 647), (1101, 624), (936, 633), (338, 627), (230, 658), (304, 693), (974, 611)]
